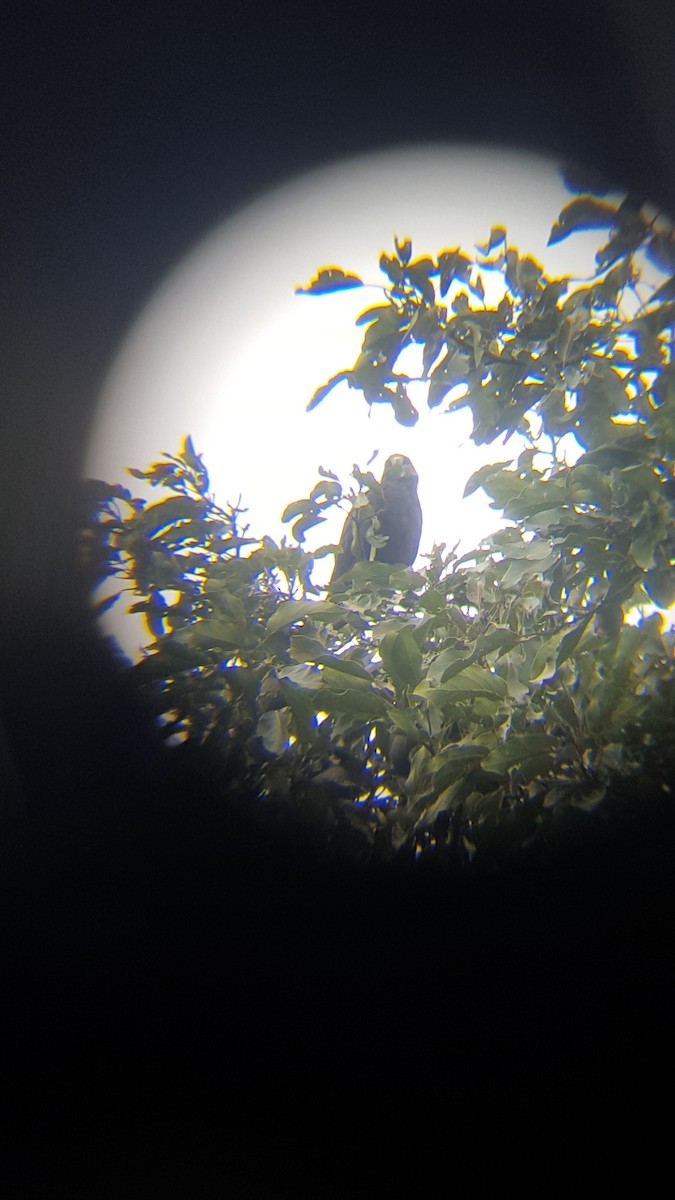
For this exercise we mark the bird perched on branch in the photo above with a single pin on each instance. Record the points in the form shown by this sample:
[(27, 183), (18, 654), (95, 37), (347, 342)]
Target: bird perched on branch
[(387, 524)]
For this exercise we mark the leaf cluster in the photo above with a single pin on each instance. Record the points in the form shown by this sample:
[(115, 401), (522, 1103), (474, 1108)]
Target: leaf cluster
[(409, 712), (477, 701), (560, 350)]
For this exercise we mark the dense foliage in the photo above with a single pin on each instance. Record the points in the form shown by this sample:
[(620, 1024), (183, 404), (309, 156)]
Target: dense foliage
[(475, 701)]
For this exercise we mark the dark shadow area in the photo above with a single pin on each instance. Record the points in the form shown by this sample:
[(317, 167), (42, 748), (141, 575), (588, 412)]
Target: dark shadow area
[(192, 997)]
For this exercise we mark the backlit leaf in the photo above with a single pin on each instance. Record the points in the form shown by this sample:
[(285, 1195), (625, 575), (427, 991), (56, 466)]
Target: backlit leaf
[(583, 213), (273, 731), (329, 279), (321, 392)]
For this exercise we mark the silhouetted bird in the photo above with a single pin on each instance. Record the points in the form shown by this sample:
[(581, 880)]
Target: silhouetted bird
[(393, 512)]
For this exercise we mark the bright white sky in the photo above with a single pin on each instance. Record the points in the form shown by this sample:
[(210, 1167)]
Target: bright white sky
[(225, 351)]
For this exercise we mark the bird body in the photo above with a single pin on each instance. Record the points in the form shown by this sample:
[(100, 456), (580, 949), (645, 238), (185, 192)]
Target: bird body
[(387, 524)]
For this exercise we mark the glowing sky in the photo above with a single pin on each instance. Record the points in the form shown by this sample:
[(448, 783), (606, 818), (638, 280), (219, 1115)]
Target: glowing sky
[(224, 349)]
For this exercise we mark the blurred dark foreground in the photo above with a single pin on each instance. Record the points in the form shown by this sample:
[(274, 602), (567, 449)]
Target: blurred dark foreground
[(195, 997)]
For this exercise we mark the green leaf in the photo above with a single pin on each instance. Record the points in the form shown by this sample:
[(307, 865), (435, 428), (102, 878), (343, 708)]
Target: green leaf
[(272, 729), (301, 676), (303, 524), (519, 750), (301, 704), (484, 475), (455, 761), (418, 273), (352, 701), (516, 675), (448, 663), (165, 513), (228, 602), (373, 314), (354, 672), (371, 574), (405, 720), (211, 633), (452, 264), (528, 568), (660, 586), (469, 682), (391, 267), (336, 675), (383, 337), (501, 639), (453, 369), (502, 485), (172, 659), (402, 658), (536, 497), (570, 640), (610, 456), (302, 610), (545, 661), (294, 509), (536, 551), (643, 546), (306, 649), (404, 579)]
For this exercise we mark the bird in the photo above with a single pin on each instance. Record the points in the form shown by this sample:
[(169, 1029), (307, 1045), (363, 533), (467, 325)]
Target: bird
[(393, 512)]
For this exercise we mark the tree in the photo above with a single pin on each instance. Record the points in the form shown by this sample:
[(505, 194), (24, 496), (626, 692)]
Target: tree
[(477, 702)]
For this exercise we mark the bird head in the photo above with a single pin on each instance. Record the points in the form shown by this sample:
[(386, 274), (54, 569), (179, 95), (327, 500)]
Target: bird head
[(399, 466)]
